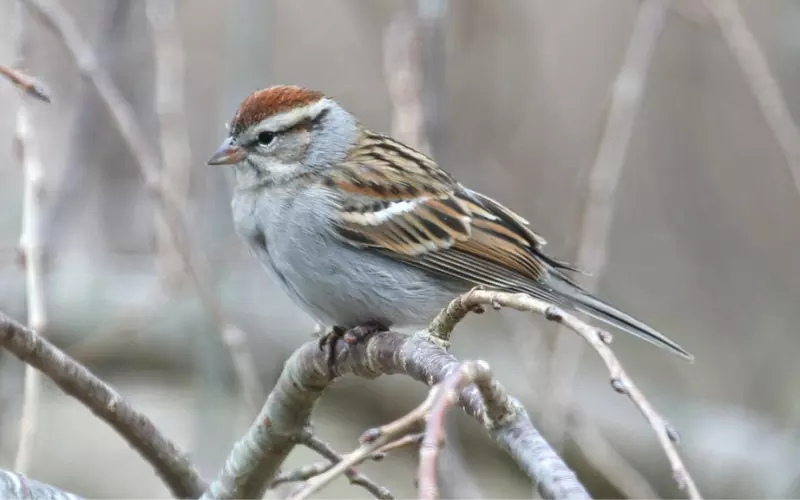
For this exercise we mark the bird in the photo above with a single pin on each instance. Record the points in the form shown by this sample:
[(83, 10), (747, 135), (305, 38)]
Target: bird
[(366, 233)]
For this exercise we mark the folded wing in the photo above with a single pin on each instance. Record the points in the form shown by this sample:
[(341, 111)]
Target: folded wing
[(400, 203)]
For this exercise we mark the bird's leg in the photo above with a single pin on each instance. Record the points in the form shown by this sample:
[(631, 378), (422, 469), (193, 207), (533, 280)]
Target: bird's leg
[(350, 336), (329, 341)]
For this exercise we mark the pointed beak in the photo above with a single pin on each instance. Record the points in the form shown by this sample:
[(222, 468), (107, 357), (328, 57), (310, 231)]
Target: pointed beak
[(227, 154)]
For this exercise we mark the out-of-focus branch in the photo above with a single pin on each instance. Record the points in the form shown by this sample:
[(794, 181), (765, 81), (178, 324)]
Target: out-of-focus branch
[(762, 82), (401, 67), (173, 131), (54, 15), (31, 248), (620, 381), (255, 459), (625, 100), (428, 54), (169, 462), (25, 82), (606, 460), (15, 486)]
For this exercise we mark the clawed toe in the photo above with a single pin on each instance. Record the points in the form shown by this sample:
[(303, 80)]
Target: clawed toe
[(350, 336), (331, 337), (362, 332)]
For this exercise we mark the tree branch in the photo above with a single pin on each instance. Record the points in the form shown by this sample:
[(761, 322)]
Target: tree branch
[(255, 458), (303, 473), (446, 394), (371, 441), (168, 461), (599, 340), (356, 478), (314, 443), (15, 486)]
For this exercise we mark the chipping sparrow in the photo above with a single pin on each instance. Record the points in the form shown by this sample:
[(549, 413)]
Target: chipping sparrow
[(360, 229)]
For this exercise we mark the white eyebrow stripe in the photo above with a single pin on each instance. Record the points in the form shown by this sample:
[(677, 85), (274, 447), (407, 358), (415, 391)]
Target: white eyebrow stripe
[(289, 119)]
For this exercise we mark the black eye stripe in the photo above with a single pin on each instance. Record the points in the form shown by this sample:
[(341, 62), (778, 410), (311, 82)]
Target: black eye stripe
[(266, 137), (322, 114)]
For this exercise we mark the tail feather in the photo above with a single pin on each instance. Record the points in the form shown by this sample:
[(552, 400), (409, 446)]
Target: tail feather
[(584, 302)]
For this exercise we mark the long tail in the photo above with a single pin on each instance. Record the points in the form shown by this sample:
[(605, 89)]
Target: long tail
[(569, 294)]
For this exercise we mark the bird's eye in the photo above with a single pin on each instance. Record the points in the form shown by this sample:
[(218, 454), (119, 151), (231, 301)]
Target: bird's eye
[(265, 138)]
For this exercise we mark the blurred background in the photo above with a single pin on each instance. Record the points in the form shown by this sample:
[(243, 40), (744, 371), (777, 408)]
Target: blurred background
[(687, 187)]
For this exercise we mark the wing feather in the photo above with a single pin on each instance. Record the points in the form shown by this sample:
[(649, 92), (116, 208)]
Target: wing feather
[(400, 202)]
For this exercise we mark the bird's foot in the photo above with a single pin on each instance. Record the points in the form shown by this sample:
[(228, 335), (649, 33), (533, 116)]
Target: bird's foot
[(350, 336)]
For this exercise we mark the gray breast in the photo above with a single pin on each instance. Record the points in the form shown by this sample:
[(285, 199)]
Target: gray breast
[(247, 207), (334, 282)]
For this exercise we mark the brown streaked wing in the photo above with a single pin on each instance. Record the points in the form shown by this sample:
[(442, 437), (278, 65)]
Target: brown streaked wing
[(398, 199), (509, 223), (401, 203), (383, 168)]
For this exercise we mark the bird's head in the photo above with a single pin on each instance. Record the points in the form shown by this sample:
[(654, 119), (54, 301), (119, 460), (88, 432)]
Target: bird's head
[(282, 132)]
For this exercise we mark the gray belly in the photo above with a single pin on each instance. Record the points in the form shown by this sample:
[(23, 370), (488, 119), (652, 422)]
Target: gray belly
[(335, 283)]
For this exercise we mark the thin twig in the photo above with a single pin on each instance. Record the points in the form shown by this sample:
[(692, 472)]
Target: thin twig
[(195, 263), (371, 441), (31, 247), (315, 443), (356, 478), (257, 456), (447, 394), (25, 82), (745, 47), (173, 130), (407, 440), (74, 379), (599, 340), (15, 486), (604, 176), (303, 473)]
